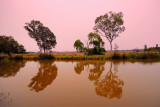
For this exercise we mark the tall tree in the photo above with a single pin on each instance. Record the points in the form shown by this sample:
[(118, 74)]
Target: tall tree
[(109, 25), (78, 45), (45, 39)]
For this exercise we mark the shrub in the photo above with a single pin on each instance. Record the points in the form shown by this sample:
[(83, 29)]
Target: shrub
[(16, 57), (124, 56), (132, 55), (116, 56), (46, 56)]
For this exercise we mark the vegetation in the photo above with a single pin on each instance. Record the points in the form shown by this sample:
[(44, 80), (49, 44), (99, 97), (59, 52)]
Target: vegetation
[(79, 46), (46, 56), (45, 39), (109, 25), (10, 46), (96, 41)]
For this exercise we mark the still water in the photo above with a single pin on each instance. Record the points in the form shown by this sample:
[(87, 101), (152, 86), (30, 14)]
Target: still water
[(79, 84)]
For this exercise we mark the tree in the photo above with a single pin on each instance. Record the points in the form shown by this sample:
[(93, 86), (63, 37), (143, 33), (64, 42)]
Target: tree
[(156, 46), (145, 47), (96, 41), (45, 39), (109, 25), (10, 46), (78, 45)]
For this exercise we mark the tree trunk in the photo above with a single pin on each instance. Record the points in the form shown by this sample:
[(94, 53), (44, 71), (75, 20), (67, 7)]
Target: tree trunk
[(111, 45), (44, 50)]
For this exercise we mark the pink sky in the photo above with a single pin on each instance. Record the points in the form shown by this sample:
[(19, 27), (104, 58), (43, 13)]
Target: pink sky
[(70, 20)]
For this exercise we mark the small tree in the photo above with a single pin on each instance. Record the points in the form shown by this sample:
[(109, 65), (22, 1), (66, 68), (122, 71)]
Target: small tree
[(109, 25), (78, 45), (156, 46), (145, 47), (97, 42), (45, 39)]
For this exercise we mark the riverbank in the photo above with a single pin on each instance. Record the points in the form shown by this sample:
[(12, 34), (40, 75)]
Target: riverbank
[(82, 56)]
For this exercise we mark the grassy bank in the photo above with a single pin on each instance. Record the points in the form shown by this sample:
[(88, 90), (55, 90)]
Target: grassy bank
[(115, 56)]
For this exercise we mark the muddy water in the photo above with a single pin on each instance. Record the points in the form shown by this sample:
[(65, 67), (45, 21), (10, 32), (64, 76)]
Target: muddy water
[(80, 84)]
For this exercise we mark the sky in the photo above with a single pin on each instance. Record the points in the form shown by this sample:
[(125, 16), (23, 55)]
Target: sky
[(70, 20)]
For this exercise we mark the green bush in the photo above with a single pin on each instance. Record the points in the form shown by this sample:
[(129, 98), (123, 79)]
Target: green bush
[(46, 56), (132, 55)]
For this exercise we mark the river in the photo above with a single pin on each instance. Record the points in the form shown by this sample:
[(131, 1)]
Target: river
[(50, 83)]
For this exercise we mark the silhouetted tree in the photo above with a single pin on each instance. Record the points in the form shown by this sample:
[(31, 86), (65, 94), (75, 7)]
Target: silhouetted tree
[(45, 76), (45, 39), (109, 25), (10, 46)]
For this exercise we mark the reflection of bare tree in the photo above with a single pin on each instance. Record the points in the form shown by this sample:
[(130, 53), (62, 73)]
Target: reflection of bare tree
[(5, 100), (47, 73), (110, 86), (10, 68)]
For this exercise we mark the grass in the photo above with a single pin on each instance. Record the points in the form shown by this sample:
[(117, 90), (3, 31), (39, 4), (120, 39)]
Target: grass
[(114, 56)]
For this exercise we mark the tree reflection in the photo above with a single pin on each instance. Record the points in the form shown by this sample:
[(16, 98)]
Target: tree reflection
[(45, 76), (79, 67), (96, 71), (10, 68), (110, 86)]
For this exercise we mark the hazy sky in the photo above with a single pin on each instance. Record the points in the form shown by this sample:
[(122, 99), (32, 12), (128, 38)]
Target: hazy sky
[(70, 20)]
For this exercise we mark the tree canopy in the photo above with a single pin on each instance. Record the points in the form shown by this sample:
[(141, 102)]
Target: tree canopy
[(78, 45), (97, 42), (109, 25), (10, 46), (45, 39)]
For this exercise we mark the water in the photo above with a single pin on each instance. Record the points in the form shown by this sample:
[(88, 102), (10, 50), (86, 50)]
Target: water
[(79, 84)]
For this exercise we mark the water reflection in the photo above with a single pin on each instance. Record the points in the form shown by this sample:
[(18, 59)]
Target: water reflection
[(10, 68), (45, 76), (5, 99), (108, 85)]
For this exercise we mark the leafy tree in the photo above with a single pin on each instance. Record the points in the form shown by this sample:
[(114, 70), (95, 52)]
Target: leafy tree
[(45, 39), (96, 41), (78, 45), (109, 25), (9, 46)]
